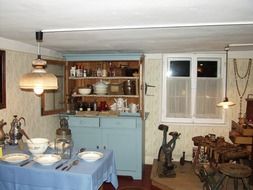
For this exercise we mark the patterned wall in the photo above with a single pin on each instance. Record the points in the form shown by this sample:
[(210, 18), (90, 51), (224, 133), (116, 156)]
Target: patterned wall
[(25, 104), (153, 136)]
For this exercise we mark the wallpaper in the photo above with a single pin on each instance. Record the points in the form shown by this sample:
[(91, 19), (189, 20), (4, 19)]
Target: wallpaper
[(24, 104), (153, 136), (27, 105)]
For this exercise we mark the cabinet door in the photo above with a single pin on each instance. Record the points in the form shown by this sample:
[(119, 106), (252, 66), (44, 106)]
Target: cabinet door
[(123, 143), (86, 137), (53, 101), (85, 132)]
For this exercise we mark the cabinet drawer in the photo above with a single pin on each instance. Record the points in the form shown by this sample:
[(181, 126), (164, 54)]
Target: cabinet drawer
[(84, 122), (118, 123)]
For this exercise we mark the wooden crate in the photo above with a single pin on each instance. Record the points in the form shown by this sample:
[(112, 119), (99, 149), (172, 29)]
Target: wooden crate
[(237, 138), (243, 131)]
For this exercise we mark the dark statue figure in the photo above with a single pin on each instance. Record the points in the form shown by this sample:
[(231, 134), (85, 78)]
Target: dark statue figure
[(165, 165)]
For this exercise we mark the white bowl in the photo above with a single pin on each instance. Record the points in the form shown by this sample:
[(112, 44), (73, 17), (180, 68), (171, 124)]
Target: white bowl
[(37, 145), (90, 156), (47, 159), (84, 91)]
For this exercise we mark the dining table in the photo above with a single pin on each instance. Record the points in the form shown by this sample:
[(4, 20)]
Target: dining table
[(85, 175)]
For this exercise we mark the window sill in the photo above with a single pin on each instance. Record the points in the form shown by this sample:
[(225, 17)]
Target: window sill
[(196, 124)]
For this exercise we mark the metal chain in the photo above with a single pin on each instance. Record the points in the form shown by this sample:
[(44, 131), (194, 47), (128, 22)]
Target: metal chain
[(248, 69), (246, 85)]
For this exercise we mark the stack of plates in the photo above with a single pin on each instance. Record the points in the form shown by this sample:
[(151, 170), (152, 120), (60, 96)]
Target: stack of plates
[(100, 87), (100, 90)]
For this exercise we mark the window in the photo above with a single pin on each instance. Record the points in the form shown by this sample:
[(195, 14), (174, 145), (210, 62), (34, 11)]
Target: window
[(192, 86)]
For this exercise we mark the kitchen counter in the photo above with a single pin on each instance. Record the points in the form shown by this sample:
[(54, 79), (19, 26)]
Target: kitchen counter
[(104, 114)]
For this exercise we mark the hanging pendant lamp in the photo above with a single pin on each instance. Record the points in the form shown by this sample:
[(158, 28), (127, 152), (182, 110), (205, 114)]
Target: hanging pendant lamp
[(226, 103), (38, 80)]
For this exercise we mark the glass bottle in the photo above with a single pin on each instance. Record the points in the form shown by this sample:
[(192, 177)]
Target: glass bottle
[(84, 73), (95, 106), (111, 70), (80, 71), (99, 72), (104, 71), (73, 71), (88, 106), (64, 147), (77, 71)]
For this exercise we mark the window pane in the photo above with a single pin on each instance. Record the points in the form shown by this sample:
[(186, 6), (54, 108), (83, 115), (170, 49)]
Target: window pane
[(208, 94), (178, 97), (192, 87), (207, 68), (180, 68)]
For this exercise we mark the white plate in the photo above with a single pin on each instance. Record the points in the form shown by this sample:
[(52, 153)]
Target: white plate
[(90, 156), (47, 159), (15, 158)]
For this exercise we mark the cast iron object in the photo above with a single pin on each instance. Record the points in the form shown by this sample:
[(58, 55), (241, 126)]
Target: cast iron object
[(166, 167), (182, 159), (14, 133)]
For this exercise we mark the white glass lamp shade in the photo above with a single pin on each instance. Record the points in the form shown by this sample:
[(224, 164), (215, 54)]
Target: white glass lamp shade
[(39, 80), (225, 103)]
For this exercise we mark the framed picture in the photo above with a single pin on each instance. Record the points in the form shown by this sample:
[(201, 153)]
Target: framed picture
[(2, 80)]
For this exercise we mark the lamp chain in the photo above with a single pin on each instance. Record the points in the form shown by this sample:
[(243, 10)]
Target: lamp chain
[(237, 75)]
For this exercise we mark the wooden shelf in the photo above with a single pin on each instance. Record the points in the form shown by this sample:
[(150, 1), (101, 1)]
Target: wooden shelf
[(125, 70), (107, 96), (105, 78)]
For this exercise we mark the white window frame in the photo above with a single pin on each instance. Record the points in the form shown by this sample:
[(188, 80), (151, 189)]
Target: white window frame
[(193, 57)]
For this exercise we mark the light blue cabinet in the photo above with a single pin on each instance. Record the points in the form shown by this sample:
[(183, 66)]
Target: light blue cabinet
[(123, 135), (86, 132)]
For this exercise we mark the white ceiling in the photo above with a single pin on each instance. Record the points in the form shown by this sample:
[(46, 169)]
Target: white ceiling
[(19, 19)]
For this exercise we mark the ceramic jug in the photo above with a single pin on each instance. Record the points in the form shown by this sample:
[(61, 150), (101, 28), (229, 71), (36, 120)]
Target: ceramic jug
[(120, 104), (133, 108)]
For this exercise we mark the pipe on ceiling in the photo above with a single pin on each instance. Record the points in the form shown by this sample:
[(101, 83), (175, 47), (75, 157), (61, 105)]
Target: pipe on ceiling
[(138, 27)]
